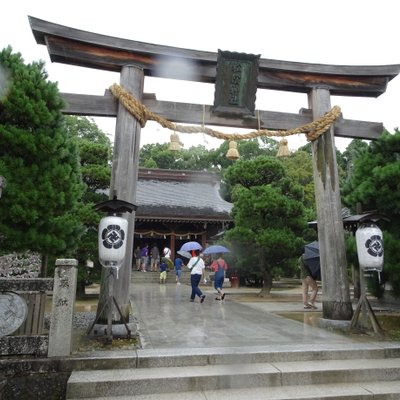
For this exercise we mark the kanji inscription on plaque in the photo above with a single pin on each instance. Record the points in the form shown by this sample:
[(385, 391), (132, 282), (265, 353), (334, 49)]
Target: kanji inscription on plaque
[(236, 83)]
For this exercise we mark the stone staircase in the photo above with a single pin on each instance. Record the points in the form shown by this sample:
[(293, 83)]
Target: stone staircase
[(138, 277), (343, 371)]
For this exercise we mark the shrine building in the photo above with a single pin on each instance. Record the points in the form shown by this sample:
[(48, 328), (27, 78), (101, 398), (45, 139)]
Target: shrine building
[(177, 206)]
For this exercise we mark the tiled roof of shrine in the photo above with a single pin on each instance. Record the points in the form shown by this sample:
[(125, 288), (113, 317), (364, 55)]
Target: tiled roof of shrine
[(175, 195)]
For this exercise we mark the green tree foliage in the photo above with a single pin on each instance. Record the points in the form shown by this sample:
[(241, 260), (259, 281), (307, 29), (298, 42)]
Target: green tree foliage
[(198, 158), (95, 160), (269, 217), (248, 150), (353, 151), (159, 156), (39, 159), (375, 184), (299, 167), (95, 156)]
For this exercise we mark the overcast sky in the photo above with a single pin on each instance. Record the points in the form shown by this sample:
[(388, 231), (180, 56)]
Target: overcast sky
[(344, 32)]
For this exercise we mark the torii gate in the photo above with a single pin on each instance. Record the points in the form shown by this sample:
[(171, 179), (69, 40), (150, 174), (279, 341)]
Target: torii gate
[(135, 60)]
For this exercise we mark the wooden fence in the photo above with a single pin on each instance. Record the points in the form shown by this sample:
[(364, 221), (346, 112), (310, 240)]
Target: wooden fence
[(30, 337)]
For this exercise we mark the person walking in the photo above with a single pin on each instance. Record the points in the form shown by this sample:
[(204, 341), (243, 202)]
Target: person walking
[(196, 266), (137, 258), (154, 258), (167, 252), (144, 256), (307, 282), (178, 269), (163, 271), (219, 266)]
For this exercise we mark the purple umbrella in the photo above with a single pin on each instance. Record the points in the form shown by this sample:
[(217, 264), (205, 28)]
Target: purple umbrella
[(189, 246), (215, 249)]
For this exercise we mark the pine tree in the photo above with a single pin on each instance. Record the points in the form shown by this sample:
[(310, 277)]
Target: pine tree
[(39, 160), (375, 184), (95, 160), (268, 214)]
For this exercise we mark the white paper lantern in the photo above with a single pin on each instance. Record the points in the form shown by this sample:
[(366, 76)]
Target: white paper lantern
[(369, 240), (112, 240)]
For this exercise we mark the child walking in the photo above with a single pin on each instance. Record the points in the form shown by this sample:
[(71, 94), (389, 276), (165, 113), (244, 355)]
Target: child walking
[(163, 272), (178, 269)]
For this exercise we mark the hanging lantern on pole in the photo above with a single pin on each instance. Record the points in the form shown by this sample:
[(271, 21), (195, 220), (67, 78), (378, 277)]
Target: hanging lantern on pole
[(112, 240), (369, 240), (113, 232), (112, 237)]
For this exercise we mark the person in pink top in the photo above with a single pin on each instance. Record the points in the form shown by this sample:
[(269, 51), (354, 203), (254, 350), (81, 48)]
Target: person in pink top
[(219, 266)]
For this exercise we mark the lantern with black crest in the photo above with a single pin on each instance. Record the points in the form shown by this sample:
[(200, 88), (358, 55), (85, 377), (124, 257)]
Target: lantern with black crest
[(113, 232), (370, 251)]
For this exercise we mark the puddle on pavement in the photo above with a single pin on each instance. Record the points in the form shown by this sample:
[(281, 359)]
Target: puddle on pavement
[(310, 317)]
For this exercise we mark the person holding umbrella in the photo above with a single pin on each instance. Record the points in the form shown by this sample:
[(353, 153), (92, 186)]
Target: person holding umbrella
[(219, 266), (307, 282), (196, 265)]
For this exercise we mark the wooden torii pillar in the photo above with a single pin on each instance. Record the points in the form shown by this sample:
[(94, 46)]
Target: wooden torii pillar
[(85, 49)]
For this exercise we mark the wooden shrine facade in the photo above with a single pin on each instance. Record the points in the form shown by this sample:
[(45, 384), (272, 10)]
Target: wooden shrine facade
[(177, 206)]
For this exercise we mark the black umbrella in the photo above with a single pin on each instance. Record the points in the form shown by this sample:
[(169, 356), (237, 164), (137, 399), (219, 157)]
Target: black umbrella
[(311, 259), (115, 206), (184, 253)]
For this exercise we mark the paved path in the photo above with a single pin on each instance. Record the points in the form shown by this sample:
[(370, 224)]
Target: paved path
[(168, 320)]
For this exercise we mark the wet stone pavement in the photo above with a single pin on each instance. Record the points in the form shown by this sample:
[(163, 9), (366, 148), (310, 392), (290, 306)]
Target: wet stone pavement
[(167, 319)]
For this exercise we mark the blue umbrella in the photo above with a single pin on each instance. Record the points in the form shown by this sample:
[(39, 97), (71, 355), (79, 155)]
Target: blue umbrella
[(189, 246), (215, 249)]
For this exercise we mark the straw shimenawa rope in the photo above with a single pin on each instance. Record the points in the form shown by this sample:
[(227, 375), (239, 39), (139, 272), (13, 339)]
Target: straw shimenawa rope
[(312, 130)]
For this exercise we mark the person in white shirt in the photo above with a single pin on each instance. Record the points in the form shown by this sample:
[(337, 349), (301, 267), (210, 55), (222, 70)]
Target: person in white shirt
[(196, 265), (167, 252)]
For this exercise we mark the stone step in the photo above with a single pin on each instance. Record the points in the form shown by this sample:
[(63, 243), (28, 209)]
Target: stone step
[(240, 375), (138, 277), (373, 390), (152, 358)]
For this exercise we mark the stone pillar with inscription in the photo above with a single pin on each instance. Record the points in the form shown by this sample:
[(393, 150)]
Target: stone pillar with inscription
[(64, 291)]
